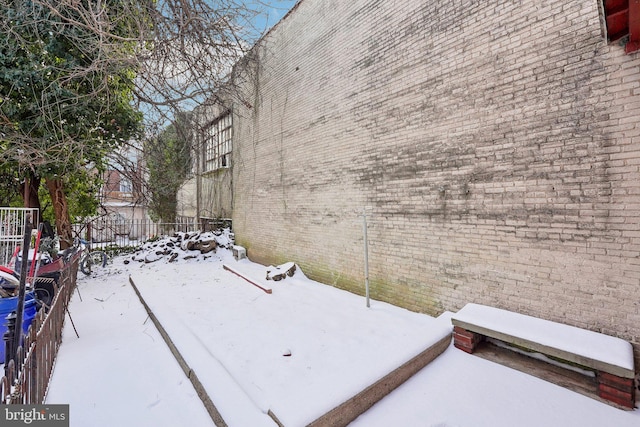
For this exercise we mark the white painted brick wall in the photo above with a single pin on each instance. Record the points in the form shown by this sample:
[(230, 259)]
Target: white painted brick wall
[(498, 143)]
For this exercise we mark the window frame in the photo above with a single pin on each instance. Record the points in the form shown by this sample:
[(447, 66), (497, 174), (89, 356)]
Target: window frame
[(218, 143), (125, 185)]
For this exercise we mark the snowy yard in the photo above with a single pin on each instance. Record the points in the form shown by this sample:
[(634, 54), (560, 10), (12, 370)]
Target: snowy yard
[(237, 338)]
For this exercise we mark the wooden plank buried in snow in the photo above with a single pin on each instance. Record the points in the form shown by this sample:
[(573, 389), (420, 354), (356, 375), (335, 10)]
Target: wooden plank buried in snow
[(251, 280)]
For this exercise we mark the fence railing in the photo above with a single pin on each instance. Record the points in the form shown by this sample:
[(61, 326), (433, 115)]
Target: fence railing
[(27, 377), (103, 232), (12, 222)]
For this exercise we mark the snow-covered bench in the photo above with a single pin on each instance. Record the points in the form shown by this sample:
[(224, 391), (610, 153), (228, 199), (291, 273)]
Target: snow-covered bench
[(610, 358)]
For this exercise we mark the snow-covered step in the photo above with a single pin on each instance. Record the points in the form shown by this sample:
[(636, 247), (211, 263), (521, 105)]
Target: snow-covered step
[(227, 402)]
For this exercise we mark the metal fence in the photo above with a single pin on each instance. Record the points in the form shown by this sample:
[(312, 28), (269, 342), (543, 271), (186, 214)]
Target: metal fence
[(12, 222), (102, 232), (27, 378)]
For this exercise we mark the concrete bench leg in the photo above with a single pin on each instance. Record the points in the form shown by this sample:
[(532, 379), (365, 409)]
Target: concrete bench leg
[(465, 340), (616, 389)]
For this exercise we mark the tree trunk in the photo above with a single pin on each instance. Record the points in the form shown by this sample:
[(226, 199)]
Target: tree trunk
[(61, 210), (29, 191)]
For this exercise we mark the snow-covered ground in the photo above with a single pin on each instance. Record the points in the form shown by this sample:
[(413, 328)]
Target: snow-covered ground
[(237, 339)]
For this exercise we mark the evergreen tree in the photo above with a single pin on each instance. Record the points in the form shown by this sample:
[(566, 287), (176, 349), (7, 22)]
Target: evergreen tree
[(61, 109), (168, 161)]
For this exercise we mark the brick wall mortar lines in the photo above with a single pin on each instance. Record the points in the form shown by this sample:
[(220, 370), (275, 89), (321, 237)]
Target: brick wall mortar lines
[(496, 142)]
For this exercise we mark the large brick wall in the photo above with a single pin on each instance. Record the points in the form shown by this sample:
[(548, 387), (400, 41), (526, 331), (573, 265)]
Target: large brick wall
[(496, 142)]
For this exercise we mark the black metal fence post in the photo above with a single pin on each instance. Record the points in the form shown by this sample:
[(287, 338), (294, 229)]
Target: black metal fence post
[(22, 289), (9, 349)]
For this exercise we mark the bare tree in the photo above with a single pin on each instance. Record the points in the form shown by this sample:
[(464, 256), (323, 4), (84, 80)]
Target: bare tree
[(78, 76), (181, 51)]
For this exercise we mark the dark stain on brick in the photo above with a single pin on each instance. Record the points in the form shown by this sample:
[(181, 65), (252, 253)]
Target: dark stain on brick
[(519, 147)]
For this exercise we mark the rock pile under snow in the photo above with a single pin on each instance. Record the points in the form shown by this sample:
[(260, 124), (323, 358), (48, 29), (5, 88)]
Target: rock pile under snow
[(281, 272), (184, 246)]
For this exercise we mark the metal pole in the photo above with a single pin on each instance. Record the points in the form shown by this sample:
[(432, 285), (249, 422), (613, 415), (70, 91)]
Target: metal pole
[(366, 254), (200, 145), (23, 279)]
